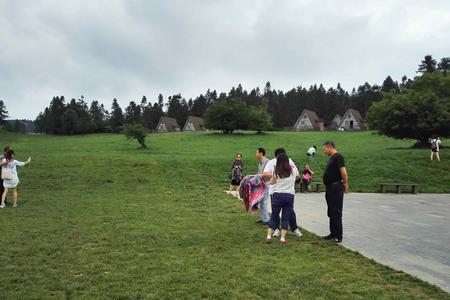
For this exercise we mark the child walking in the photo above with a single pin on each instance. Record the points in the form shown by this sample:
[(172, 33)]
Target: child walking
[(10, 177)]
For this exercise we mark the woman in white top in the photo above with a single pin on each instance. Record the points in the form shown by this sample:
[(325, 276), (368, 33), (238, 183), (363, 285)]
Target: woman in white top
[(283, 184), (11, 183)]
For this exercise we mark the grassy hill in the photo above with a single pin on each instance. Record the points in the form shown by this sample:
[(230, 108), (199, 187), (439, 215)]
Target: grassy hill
[(99, 218)]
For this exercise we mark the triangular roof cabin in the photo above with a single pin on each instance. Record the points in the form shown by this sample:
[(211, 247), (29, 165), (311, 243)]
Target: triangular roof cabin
[(336, 122), (194, 124), (167, 124), (308, 120), (352, 120)]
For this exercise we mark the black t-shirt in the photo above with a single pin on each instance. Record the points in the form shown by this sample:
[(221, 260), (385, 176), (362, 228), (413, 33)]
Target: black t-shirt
[(332, 173)]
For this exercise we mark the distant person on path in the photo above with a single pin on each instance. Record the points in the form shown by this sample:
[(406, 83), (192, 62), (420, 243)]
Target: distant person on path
[(12, 182), (268, 173), (2, 157), (311, 151), (307, 176), (283, 181), (435, 142), (237, 171), (264, 216), (335, 179)]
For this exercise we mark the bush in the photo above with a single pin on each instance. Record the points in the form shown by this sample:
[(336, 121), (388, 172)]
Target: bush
[(137, 132)]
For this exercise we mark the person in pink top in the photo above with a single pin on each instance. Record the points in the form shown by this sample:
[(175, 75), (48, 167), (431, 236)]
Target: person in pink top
[(307, 176)]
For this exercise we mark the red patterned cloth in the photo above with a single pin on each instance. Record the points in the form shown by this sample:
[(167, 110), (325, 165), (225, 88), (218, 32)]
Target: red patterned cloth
[(251, 191)]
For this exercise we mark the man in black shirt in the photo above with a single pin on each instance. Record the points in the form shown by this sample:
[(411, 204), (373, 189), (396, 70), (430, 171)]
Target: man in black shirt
[(335, 179)]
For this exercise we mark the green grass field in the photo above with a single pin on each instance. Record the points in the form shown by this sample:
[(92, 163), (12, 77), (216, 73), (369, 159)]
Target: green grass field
[(100, 218)]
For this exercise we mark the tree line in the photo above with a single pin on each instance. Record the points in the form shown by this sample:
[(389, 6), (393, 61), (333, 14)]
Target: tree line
[(237, 109), (257, 110)]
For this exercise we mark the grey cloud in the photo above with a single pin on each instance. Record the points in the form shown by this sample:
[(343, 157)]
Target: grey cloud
[(126, 49)]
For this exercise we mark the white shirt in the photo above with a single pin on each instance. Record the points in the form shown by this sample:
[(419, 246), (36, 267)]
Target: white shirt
[(311, 151), (270, 168), (12, 165), (286, 185)]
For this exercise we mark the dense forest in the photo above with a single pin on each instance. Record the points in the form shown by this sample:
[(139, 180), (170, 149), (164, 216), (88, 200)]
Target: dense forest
[(76, 116)]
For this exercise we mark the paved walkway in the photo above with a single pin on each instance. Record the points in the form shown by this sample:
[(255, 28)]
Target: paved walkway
[(406, 232)]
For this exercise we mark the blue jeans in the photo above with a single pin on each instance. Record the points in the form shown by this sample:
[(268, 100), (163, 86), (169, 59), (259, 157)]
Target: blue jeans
[(285, 203), (263, 207), (292, 218)]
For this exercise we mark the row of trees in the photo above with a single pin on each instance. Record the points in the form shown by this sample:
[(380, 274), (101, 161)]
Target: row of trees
[(277, 109), (77, 117), (284, 108), (237, 109)]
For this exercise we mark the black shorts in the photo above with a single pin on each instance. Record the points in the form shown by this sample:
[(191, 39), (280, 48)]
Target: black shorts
[(434, 150), (235, 182)]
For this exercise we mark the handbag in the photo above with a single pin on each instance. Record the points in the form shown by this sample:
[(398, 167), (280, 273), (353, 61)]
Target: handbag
[(7, 174)]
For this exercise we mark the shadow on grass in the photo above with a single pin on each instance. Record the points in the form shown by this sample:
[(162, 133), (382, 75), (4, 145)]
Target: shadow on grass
[(238, 134)]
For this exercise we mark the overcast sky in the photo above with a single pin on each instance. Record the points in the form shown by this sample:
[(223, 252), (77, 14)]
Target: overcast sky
[(130, 48)]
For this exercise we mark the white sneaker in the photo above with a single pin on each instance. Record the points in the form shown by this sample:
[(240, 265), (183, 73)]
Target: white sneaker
[(15, 205), (276, 233), (2, 205), (297, 233)]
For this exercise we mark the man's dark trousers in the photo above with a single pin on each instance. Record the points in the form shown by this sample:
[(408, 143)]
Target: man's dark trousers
[(335, 199)]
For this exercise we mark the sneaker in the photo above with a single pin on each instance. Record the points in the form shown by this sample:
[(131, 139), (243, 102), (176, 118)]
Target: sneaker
[(336, 240), (2, 205), (15, 205), (283, 242), (268, 241), (297, 233), (277, 233)]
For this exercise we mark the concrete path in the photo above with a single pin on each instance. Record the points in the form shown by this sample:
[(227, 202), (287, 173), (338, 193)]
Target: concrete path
[(410, 233)]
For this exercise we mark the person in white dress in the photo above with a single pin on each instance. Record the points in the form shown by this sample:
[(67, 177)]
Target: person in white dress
[(12, 182)]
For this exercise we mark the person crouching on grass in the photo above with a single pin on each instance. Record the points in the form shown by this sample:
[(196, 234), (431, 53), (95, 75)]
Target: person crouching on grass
[(283, 182), (12, 182)]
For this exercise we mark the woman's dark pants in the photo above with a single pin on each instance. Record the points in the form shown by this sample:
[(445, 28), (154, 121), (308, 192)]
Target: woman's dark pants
[(285, 203)]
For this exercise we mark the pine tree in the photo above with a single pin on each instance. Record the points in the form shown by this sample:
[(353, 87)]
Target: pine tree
[(98, 116), (116, 119), (177, 108), (147, 120), (3, 113), (444, 65), (57, 109), (133, 113), (428, 65), (389, 85)]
